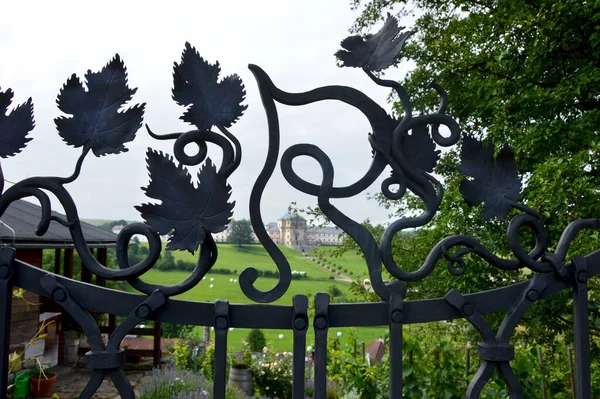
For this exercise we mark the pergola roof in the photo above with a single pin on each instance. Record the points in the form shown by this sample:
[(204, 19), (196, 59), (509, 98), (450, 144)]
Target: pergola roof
[(23, 217)]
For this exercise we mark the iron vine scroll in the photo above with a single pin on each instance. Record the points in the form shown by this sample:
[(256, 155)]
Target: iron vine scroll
[(97, 122)]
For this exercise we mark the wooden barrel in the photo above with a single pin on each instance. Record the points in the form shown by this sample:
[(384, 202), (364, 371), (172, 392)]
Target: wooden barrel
[(241, 375)]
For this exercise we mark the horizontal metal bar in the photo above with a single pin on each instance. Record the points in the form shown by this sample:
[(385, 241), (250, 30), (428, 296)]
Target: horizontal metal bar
[(104, 300)]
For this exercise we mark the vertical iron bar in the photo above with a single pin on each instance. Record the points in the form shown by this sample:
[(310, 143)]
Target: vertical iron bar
[(299, 325), (395, 358), (321, 324), (7, 255), (221, 327), (581, 324)]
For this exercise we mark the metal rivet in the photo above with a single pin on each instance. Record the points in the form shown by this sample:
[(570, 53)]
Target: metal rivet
[(143, 311), (533, 295), (299, 323), (4, 271), (321, 322), (582, 276), (59, 295), (221, 323), (468, 309), (397, 316)]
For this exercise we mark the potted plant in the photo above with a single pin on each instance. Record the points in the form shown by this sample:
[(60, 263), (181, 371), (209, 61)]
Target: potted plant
[(42, 379)]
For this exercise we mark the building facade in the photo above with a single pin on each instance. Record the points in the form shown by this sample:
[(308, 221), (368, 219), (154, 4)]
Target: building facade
[(292, 230)]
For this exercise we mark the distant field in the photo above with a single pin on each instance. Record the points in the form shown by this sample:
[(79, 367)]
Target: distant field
[(238, 258), (234, 258)]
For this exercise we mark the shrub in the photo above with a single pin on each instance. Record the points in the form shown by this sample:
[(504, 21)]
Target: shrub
[(174, 384), (170, 330), (256, 340), (331, 278), (168, 384), (272, 375), (188, 354), (334, 291)]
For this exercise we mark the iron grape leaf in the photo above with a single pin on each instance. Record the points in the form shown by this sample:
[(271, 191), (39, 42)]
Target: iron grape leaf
[(475, 156), (185, 212), (375, 52), (209, 102), (96, 122), (14, 127), (420, 149), (497, 183)]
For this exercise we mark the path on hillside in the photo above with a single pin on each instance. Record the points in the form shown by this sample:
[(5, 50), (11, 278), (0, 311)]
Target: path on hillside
[(339, 277)]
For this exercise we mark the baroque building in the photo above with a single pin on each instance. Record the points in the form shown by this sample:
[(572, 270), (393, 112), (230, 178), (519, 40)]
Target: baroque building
[(292, 230)]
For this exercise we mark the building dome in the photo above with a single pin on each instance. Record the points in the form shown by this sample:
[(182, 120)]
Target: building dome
[(291, 216)]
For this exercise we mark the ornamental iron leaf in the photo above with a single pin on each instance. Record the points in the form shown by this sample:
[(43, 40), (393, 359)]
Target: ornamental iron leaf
[(420, 149), (14, 127), (186, 213), (209, 102), (375, 52), (96, 122), (497, 183)]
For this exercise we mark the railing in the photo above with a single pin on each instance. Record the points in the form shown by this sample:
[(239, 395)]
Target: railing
[(190, 215)]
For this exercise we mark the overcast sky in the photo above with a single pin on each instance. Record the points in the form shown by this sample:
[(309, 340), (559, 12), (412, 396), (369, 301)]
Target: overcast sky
[(43, 42)]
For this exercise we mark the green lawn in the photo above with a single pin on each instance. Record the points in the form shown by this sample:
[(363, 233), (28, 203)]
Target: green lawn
[(221, 286), (238, 258)]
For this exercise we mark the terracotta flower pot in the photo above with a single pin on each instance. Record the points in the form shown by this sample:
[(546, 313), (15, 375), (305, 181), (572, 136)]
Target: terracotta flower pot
[(42, 387)]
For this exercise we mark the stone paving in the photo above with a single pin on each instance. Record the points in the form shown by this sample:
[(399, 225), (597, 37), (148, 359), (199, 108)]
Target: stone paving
[(71, 381)]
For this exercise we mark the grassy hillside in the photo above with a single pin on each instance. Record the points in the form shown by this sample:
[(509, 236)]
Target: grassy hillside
[(349, 260)]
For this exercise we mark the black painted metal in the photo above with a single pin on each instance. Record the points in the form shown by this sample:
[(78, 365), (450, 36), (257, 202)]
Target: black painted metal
[(7, 256), (321, 325), (190, 213), (300, 326)]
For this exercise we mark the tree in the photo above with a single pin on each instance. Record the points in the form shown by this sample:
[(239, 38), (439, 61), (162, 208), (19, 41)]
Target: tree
[(241, 232), (526, 72), (256, 340)]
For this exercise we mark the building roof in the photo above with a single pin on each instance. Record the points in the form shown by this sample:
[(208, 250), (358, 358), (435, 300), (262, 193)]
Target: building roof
[(291, 216), (23, 217), (272, 227)]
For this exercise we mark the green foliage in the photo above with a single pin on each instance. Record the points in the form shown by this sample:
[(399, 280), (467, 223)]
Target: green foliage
[(241, 232), (334, 291), (189, 354), (170, 330), (522, 72), (256, 340), (206, 362)]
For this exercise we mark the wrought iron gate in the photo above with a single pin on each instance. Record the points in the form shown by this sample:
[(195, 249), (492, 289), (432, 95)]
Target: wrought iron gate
[(190, 214)]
